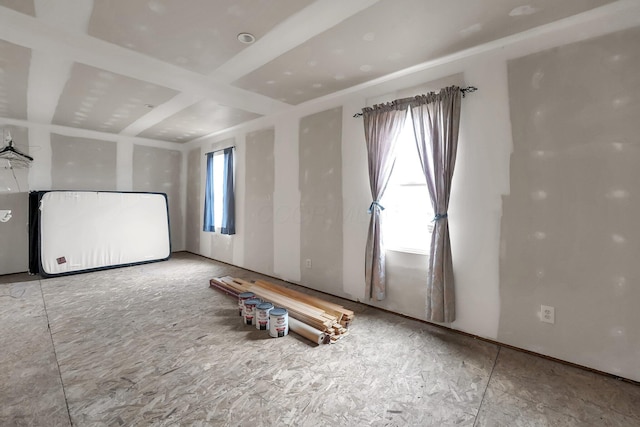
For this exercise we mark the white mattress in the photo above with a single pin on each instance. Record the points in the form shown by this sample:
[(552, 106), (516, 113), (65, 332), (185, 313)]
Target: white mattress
[(83, 230)]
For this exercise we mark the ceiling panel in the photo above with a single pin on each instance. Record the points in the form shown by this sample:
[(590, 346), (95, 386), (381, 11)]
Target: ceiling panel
[(300, 55), (101, 100), (198, 120), (23, 6), (198, 35), (393, 35), (14, 74)]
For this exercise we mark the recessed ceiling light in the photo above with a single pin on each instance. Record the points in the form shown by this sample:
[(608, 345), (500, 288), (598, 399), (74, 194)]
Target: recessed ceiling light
[(246, 38)]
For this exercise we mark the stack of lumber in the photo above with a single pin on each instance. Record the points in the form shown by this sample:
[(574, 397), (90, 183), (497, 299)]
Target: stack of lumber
[(329, 318)]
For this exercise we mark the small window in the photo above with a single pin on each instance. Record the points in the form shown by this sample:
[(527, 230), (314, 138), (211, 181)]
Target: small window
[(219, 195), (218, 189), (408, 212)]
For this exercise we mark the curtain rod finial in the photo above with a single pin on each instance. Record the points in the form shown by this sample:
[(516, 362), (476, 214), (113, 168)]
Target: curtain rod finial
[(468, 89)]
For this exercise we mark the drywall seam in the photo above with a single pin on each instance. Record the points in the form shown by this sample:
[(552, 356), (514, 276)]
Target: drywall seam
[(258, 202), (355, 195), (124, 165), (286, 202), (321, 207), (239, 240), (317, 17), (28, 31), (184, 176), (619, 15), (40, 150), (93, 134)]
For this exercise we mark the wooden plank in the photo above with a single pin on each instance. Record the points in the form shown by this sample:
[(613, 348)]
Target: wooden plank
[(222, 283), (327, 306), (231, 283), (214, 284), (331, 322), (296, 309), (309, 314), (309, 309), (310, 298)]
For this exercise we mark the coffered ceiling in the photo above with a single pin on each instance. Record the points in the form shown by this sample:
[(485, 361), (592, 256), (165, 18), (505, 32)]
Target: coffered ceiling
[(174, 70)]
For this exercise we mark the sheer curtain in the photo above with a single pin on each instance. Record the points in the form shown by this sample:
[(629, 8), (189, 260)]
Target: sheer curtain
[(229, 199), (382, 125), (208, 196), (436, 120)]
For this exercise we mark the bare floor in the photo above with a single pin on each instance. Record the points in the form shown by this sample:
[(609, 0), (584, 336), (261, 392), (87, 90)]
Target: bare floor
[(154, 345)]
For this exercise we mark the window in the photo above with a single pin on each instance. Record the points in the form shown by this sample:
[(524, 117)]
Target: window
[(408, 212), (218, 167), (219, 204)]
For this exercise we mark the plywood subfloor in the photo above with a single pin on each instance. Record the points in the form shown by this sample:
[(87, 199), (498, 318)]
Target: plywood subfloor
[(154, 345)]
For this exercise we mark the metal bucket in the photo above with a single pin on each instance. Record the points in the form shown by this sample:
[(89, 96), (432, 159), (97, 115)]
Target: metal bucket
[(242, 298), (249, 311), (262, 316)]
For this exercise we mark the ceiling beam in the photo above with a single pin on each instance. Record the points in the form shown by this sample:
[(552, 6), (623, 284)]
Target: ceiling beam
[(161, 112), (92, 134)]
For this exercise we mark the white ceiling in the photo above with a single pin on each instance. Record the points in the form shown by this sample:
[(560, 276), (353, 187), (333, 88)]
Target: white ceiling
[(173, 70)]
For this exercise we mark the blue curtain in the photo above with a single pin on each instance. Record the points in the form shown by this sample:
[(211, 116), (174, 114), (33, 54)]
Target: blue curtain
[(229, 199), (208, 196)]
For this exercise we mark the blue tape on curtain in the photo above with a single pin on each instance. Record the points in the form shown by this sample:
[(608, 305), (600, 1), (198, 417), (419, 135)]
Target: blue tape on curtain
[(439, 216), (374, 204)]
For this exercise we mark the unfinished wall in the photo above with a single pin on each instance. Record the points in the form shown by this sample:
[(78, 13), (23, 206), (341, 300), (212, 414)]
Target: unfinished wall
[(194, 193), (158, 170), (258, 203), (570, 225), (407, 271), (14, 180), (489, 277), (14, 187), (14, 244), (320, 183), (82, 164), (77, 160)]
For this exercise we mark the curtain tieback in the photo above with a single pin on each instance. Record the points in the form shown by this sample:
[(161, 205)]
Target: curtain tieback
[(439, 216), (374, 204)]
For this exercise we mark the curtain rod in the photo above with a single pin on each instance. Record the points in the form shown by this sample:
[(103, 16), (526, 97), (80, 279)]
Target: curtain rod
[(219, 149), (464, 90)]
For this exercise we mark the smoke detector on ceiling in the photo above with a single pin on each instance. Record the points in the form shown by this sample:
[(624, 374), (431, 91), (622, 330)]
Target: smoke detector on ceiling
[(246, 38)]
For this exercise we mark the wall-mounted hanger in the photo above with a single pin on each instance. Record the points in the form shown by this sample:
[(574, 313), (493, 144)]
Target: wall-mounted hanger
[(9, 152)]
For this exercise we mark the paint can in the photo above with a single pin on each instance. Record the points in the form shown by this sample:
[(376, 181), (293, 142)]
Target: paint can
[(262, 315), (249, 311), (242, 298), (278, 322)]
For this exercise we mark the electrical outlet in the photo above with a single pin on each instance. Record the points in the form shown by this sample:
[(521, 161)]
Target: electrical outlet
[(5, 215), (307, 263), (547, 314)]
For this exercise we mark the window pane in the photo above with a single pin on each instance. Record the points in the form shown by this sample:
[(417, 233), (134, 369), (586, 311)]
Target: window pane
[(407, 169), (218, 191), (408, 216), (408, 213)]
